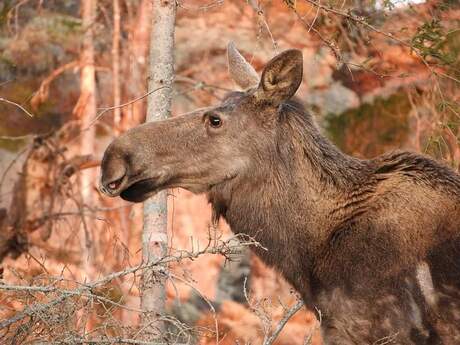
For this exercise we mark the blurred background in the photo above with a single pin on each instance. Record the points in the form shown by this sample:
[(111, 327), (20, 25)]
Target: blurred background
[(379, 75)]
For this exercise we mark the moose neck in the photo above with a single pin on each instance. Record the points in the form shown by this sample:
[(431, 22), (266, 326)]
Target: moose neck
[(284, 204), (323, 168)]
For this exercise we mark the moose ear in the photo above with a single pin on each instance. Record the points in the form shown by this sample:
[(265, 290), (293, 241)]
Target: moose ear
[(240, 70), (281, 77)]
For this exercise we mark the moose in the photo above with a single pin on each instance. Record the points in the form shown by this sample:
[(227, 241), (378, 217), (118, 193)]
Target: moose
[(374, 245)]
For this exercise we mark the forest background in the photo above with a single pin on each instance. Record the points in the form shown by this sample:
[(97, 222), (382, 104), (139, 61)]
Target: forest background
[(378, 76)]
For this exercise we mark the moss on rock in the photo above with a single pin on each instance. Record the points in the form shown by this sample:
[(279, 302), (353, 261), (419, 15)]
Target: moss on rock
[(371, 129)]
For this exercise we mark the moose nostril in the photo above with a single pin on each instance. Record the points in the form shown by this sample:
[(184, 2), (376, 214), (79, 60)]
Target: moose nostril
[(111, 183), (114, 173)]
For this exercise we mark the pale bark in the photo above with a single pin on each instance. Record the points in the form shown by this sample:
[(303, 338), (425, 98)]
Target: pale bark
[(116, 65), (154, 235), (136, 56), (85, 111)]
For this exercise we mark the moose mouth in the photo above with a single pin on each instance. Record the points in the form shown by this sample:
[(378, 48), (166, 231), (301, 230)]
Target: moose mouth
[(141, 190)]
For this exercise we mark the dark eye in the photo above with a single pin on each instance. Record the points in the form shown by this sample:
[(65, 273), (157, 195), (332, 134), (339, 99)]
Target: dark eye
[(215, 121)]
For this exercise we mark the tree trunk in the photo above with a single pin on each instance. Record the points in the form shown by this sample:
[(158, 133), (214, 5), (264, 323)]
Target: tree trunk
[(85, 111), (154, 235), (116, 65), (136, 58)]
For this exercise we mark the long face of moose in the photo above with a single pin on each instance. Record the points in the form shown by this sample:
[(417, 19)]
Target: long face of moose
[(208, 147)]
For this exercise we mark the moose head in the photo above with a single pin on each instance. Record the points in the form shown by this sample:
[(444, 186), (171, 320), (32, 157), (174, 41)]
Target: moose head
[(207, 147)]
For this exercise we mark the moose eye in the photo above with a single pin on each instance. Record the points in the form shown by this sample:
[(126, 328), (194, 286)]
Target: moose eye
[(215, 121)]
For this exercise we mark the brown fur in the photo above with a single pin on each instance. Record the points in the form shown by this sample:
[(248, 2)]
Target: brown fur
[(373, 244)]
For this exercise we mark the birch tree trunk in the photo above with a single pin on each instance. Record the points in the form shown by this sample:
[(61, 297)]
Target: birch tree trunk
[(154, 234)]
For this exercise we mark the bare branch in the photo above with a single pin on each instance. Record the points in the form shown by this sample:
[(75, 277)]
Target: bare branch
[(43, 92), (362, 21), (226, 248), (289, 313), (16, 105)]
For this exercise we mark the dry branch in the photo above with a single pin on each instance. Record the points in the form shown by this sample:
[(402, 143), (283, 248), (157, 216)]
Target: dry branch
[(227, 248), (362, 21), (289, 313), (4, 100), (43, 92)]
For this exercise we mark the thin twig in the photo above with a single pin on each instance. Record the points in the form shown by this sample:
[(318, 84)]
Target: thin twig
[(363, 22), (16, 105), (225, 248), (289, 313), (19, 137)]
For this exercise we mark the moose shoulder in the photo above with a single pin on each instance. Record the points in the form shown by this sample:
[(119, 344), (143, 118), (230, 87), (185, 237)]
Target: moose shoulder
[(373, 244)]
